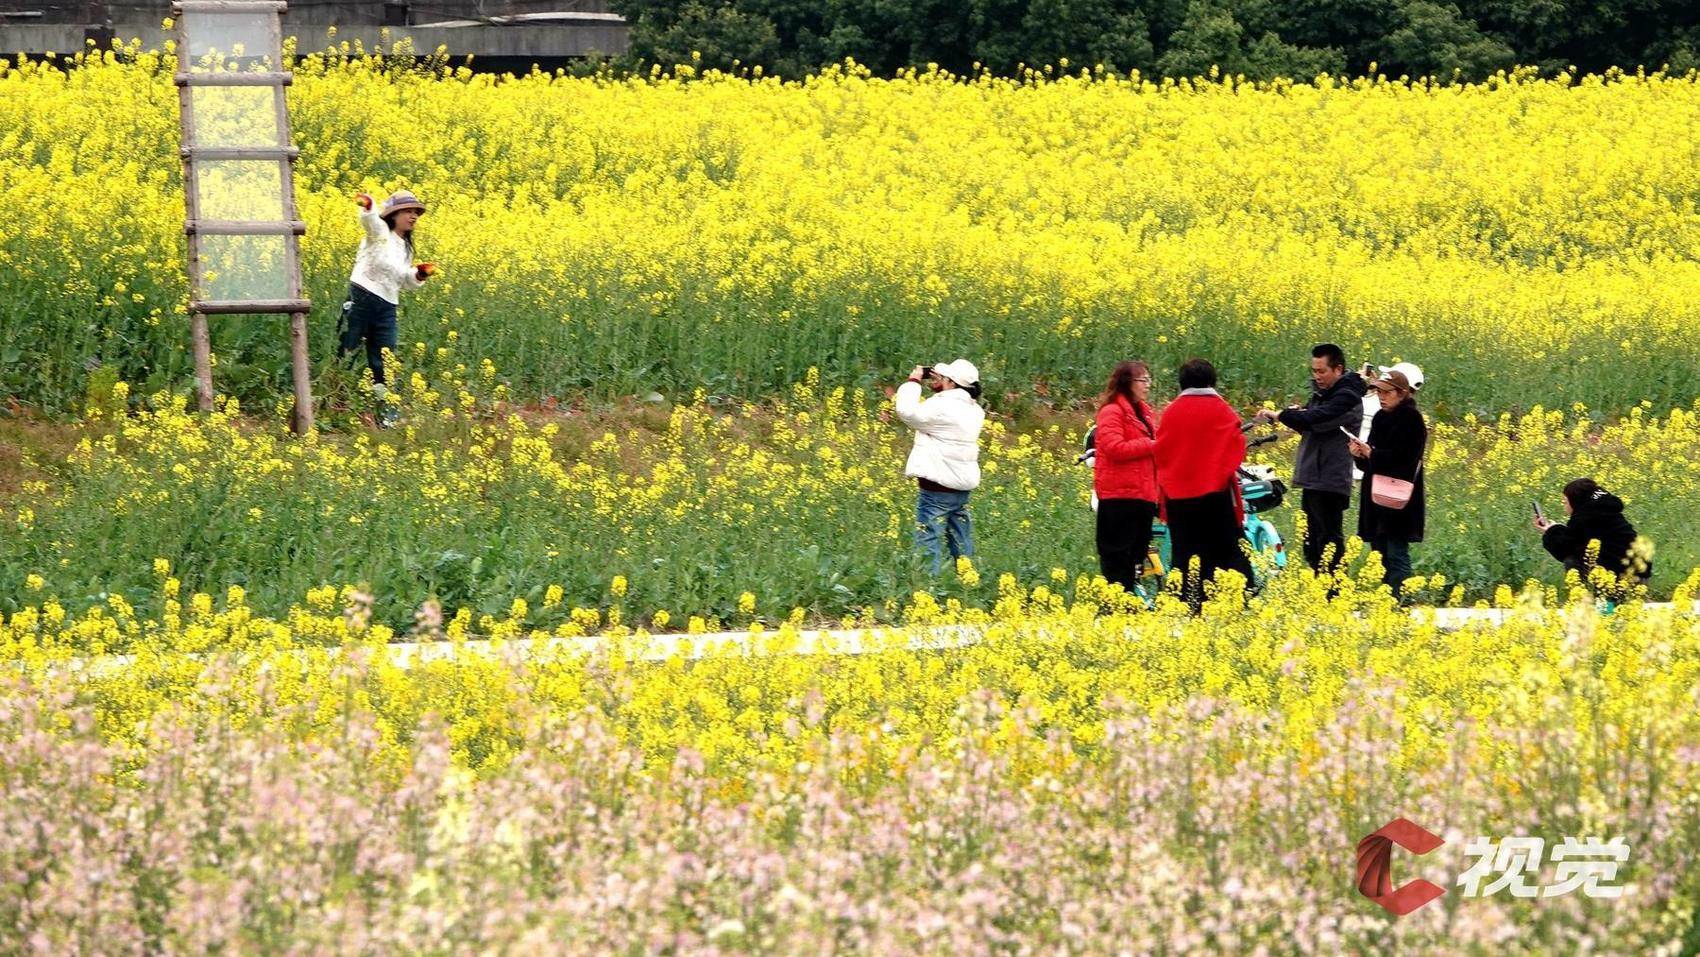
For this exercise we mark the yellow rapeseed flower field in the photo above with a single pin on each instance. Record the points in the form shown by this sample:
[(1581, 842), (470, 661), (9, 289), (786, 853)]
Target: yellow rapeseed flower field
[(1531, 241), (232, 742), (403, 688), (727, 513)]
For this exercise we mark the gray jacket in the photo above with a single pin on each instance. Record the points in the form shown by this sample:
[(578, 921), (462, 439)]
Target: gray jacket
[(1325, 463)]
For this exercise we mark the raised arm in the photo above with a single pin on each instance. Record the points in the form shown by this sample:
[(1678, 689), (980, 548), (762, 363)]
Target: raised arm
[(371, 223), (911, 411), (1343, 409)]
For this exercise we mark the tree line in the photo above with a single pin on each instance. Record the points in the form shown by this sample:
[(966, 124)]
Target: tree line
[(1260, 39)]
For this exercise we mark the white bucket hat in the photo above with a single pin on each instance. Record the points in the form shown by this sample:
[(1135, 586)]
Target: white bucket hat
[(961, 372), (1412, 372)]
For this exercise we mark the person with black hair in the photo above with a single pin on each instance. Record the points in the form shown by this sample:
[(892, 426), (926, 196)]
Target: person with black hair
[(1596, 516), (1124, 473), (383, 267), (1200, 449), (1324, 469), (945, 461)]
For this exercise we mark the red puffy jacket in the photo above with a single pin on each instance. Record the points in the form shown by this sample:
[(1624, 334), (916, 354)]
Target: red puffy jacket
[(1126, 452), (1200, 447)]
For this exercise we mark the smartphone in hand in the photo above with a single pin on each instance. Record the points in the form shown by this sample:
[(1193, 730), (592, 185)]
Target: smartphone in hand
[(1539, 515)]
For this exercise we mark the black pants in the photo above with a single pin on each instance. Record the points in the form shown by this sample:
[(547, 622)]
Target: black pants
[(1205, 528), (1124, 538), (370, 319), (1325, 514)]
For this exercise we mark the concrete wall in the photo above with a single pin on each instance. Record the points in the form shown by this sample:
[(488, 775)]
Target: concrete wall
[(76, 12), (360, 21)]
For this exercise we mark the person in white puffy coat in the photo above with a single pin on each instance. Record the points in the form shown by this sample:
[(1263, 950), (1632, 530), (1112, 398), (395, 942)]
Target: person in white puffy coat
[(945, 461)]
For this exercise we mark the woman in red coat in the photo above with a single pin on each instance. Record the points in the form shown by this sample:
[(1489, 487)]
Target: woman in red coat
[(1199, 452), (1125, 473)]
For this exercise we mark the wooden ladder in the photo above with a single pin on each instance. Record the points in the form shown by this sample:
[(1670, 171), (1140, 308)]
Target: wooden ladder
[(257, 25)]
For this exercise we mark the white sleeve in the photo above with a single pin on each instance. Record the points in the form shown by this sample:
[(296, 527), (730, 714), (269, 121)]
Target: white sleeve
[(410, 277), (911, 411), (373, 224)]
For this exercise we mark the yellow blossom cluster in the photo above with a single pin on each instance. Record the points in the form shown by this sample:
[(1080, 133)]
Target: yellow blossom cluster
[(1064, 659), (1529, 239), (704, 510)]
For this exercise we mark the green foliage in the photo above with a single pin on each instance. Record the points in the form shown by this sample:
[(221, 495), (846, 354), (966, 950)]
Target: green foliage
[(720, 33), (1010, 33), (803, 504), (1435, 39), (1258, 38), (1213, 37)]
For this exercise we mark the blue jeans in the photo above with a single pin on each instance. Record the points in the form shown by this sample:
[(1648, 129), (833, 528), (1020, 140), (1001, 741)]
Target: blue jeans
[(943, 514), (1396, 559)]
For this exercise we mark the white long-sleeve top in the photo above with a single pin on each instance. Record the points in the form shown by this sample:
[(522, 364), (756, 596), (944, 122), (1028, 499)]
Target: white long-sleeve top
[(1372, 405), (947, 436), (382, 265)]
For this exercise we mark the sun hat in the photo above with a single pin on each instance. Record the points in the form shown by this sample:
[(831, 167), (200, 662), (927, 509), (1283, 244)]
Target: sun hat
[(1413, 373), (1392, 380), (961, 372), (400, 200)]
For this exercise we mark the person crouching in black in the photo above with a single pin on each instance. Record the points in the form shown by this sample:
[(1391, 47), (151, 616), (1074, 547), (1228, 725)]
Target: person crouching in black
[(1596, 515)]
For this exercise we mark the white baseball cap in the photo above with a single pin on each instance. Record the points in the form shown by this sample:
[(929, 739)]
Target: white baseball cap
[(961, 372), (1410, 370)]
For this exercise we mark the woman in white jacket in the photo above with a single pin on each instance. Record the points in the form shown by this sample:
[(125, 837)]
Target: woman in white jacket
[(945, 461), (383, 267)]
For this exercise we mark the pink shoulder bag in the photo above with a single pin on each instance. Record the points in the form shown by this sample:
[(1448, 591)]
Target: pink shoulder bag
[(1389, 492)]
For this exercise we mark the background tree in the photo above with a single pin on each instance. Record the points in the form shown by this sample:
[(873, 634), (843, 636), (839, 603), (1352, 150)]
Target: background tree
[(1258, 38), (1435, 39)]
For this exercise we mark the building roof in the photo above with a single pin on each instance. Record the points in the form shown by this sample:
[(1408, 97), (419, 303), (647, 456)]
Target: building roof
[(521, 19)]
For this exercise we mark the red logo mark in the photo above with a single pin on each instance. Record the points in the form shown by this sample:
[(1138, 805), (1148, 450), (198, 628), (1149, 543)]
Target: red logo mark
[(1375, 867)]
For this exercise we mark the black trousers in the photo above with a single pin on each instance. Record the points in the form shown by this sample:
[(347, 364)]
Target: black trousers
[(1124, 538), (1205, 528), (1325, 516)]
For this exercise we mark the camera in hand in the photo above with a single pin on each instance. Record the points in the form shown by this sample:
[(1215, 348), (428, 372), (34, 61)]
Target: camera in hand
[(926, 372)]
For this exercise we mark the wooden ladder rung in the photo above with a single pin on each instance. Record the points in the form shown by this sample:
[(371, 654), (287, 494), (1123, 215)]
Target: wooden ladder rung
[(231, 307), (234, 79), (228, 6), (242, 227), (216, 153)]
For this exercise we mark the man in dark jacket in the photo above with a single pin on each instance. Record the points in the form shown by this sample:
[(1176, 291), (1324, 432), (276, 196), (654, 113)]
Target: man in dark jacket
[(1596, 515), (1324, 469)]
